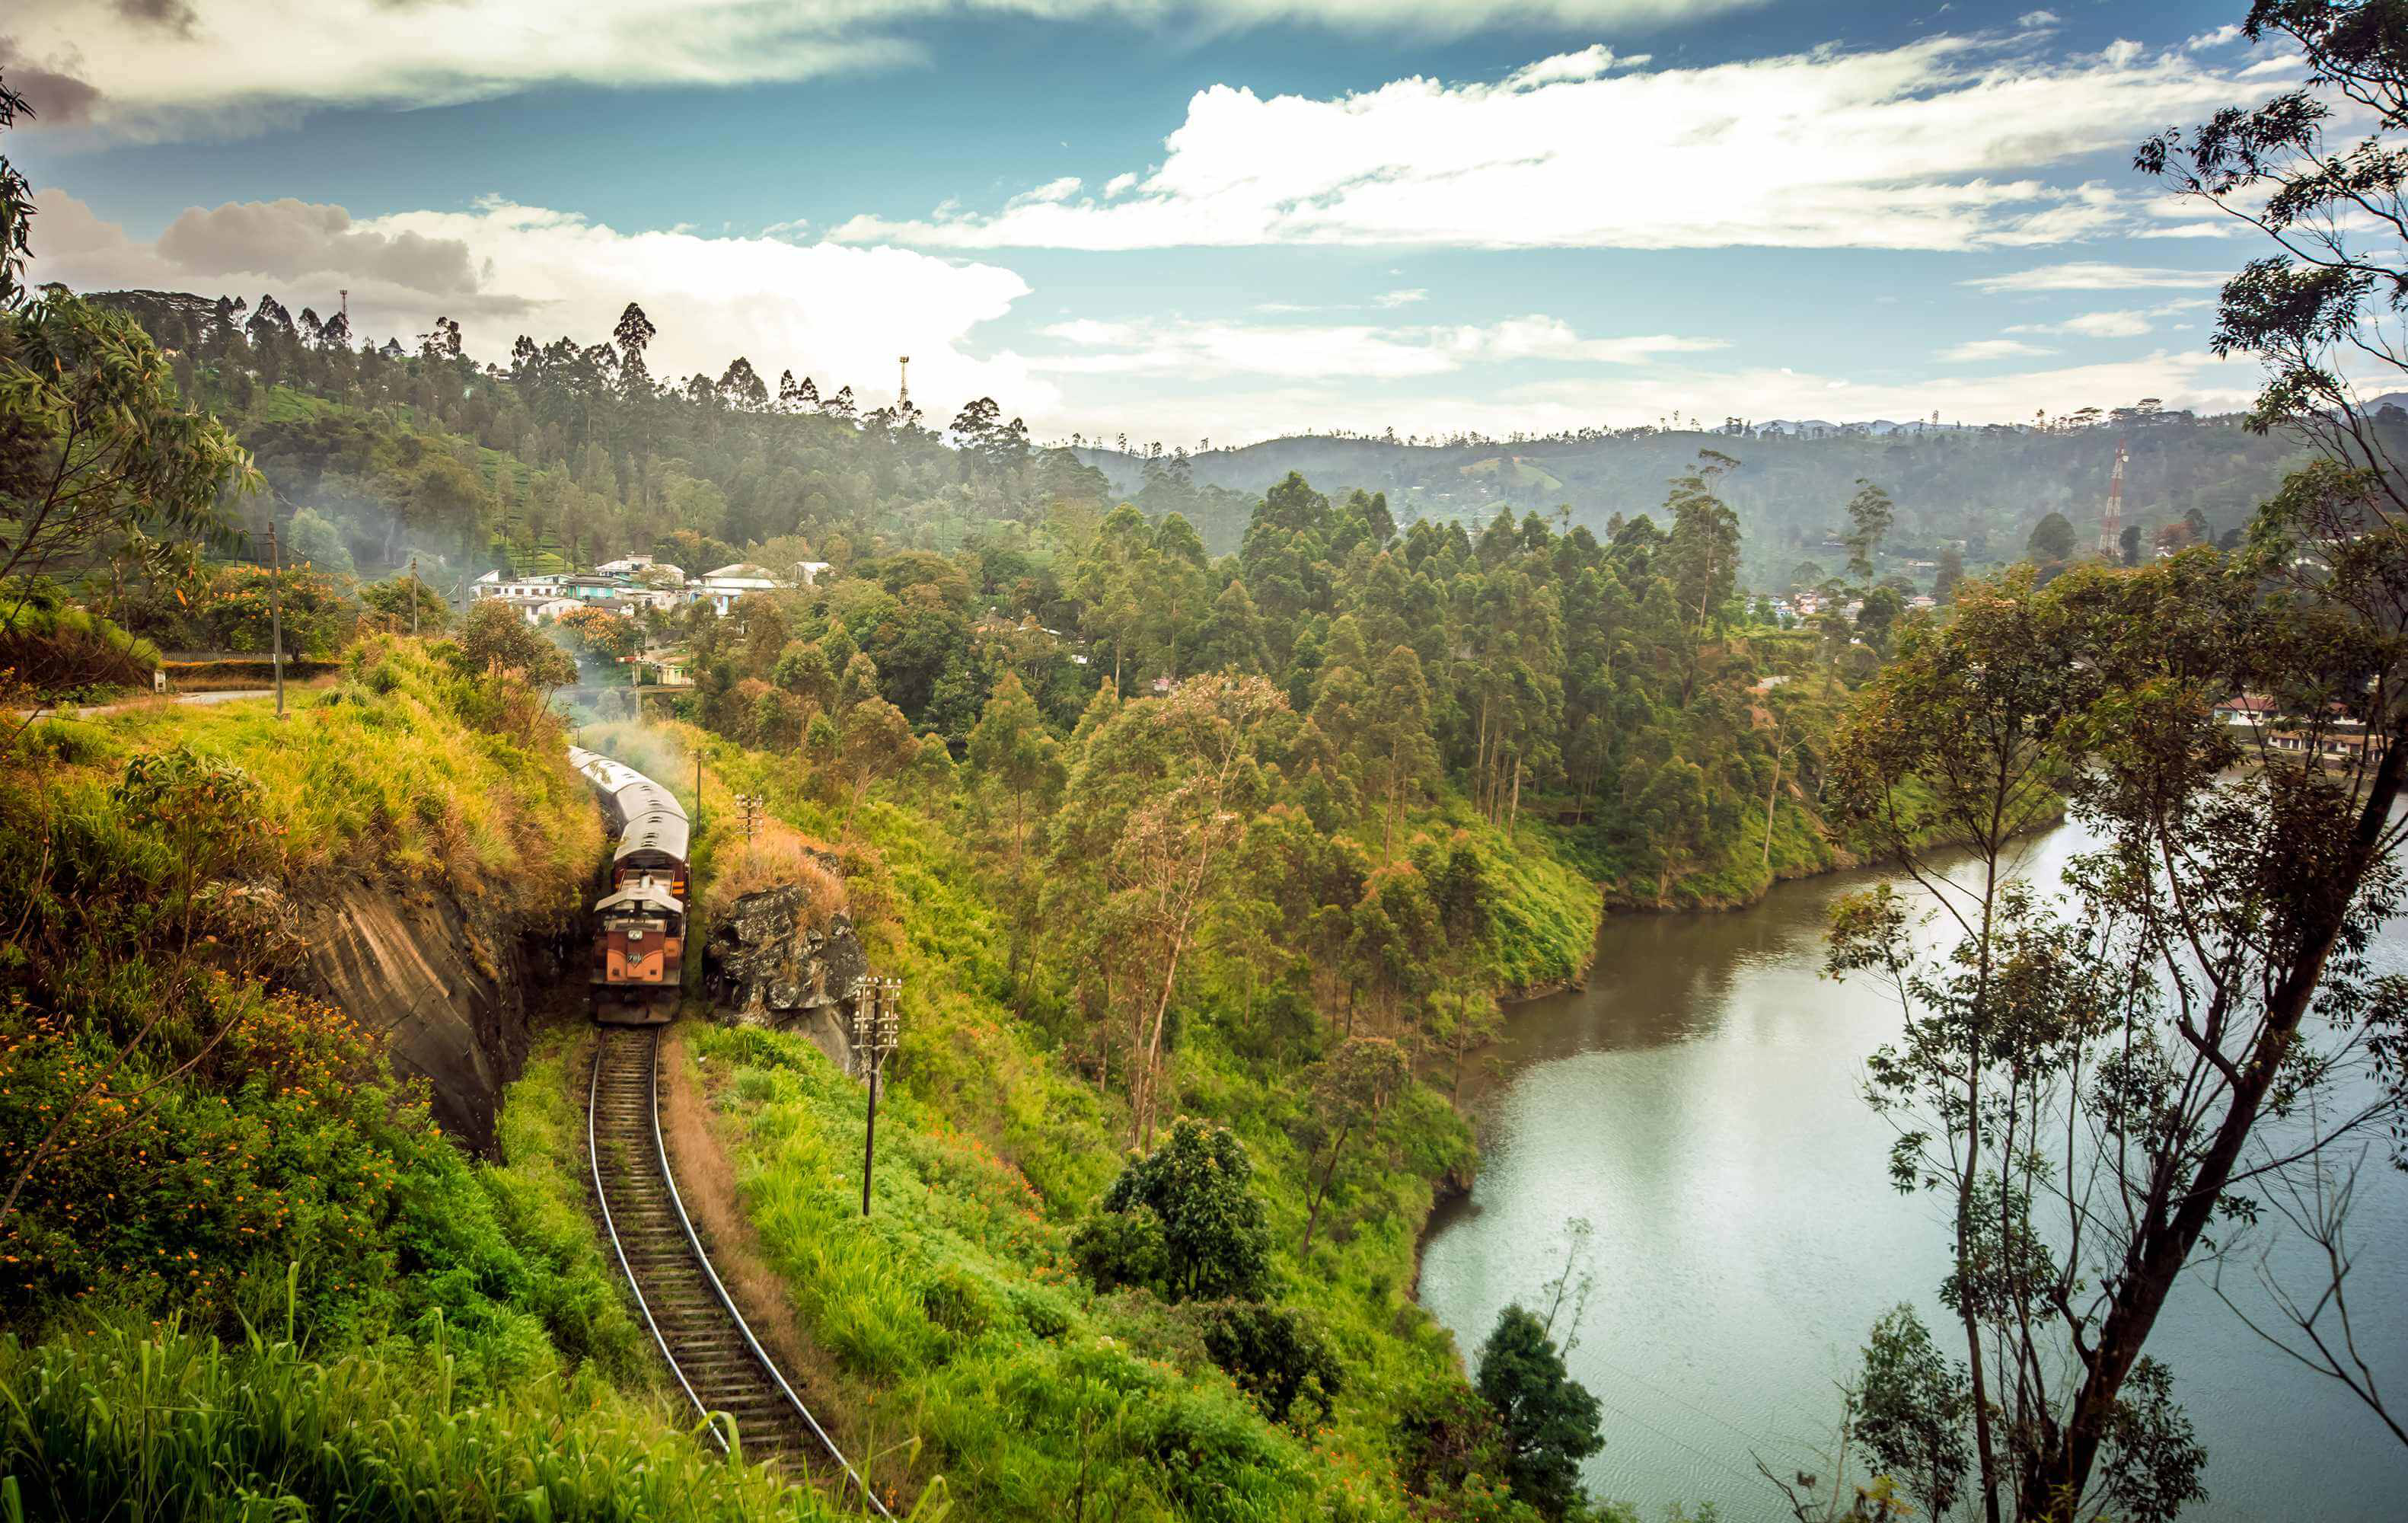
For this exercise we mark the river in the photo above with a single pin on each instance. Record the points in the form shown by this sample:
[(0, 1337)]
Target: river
[(1699, 1104)]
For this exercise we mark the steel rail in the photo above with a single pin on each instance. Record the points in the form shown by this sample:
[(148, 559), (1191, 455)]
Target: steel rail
[(618, 1249), (719, 1289)]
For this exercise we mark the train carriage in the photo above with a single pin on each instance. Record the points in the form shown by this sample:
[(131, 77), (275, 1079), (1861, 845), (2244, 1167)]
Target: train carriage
[(640, 926)]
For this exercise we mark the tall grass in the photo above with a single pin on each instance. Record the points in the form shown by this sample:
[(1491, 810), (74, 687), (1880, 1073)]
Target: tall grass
[(407, 765), (125, 1424)]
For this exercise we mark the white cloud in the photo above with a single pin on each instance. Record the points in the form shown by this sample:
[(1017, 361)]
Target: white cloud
[(2122, 324), (228, 65), (1400, 298), (2090, 275), (1195, 350), (504, 269), (2037, 18), (2228, 33), (1932, 144), (2193, 230), (1120, 184), (1991, 349), (1051, 191)]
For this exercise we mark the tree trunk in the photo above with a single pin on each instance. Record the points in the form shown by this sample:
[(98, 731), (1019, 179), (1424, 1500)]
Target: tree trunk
[(1770, 796), (2165, 1245), (1312, 1217)]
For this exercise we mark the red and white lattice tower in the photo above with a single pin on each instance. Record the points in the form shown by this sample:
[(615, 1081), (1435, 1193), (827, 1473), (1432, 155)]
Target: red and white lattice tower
[(2111, 527)]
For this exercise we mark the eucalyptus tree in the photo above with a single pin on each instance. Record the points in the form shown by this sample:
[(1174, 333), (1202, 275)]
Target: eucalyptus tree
[(2094, 1086)]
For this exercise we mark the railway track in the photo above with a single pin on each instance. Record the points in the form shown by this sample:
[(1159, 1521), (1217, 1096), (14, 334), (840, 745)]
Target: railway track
[(717, 1362)]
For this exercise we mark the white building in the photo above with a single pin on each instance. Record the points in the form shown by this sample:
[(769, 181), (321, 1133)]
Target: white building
[(626, 566), (722, 587), (492, 585)]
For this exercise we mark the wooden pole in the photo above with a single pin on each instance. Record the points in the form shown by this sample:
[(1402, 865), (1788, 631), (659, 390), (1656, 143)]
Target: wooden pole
[(414, 597), (870, 1143)]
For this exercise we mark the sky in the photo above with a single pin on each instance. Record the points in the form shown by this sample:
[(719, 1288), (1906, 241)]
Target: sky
[(1190, 221)]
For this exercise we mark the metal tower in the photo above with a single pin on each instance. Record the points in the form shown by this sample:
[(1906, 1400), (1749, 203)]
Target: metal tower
[(903, 389), (2110, 526)]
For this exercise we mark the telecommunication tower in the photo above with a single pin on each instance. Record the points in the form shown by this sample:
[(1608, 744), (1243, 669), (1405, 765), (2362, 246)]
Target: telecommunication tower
[(2110, 526), (903, 388)]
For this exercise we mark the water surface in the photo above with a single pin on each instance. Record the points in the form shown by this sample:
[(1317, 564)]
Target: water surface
[(1699, 1104)]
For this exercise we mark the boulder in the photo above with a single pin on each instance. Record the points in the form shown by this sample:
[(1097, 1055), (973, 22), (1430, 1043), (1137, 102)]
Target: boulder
[(767, 965)]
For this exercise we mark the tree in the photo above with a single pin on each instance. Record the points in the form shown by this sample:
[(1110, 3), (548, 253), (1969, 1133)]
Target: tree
[(96, 441), (1871, 514), (495, 639), (603, 638), (393, 598), (1550, 1420), (1275, 1355), (1978, 712), (1010, 750), (2128, 544), (1950, 573), (873, 743), (1913, 1412), (16, 207), (633, 334), (1160, 797), (1184, 1220), (1703, 549), (2052, 542), (2104, 1072), (1351, 1089), (742, 387), (316, 543), (1401, 758)]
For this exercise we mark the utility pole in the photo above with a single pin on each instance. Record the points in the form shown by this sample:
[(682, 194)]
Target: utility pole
[(755, 811), (413, 597), (876, 1023), (276, 609)]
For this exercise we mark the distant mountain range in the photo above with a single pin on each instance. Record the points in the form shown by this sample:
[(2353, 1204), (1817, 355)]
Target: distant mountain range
[(1981, 489)]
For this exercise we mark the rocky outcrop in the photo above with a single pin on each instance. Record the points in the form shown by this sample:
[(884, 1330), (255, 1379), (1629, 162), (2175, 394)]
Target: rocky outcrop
[(445, 986), (770, 965)]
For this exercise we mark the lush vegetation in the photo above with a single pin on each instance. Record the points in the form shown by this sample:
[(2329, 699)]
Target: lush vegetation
[(242, 1271), (1218, 1323)]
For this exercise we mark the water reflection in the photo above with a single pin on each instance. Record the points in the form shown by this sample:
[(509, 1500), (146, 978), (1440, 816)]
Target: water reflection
[(1698, 1103)]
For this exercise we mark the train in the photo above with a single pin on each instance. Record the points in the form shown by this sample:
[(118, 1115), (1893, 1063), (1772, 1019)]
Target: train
[(639, 923)]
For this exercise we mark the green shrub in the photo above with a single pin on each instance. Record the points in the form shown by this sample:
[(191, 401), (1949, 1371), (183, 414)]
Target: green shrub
[(1275, 1354), (1195, 1196)]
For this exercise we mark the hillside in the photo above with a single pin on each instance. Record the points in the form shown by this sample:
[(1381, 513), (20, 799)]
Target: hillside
[(1984, 489), (568, 463)]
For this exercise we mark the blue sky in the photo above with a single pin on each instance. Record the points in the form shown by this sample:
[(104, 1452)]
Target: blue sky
[(1223, 218)]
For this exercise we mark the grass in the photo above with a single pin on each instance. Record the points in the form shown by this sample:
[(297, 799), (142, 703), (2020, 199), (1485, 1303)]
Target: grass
[(127, 1423), (952, 1316), (406, 766)]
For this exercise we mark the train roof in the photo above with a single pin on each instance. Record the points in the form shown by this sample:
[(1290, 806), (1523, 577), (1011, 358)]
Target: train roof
[(606, 774), (657, 830), (650, 818)]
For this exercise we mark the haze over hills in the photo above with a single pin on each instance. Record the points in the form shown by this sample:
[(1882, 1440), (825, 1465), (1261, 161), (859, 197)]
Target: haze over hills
[(1984, 489)]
